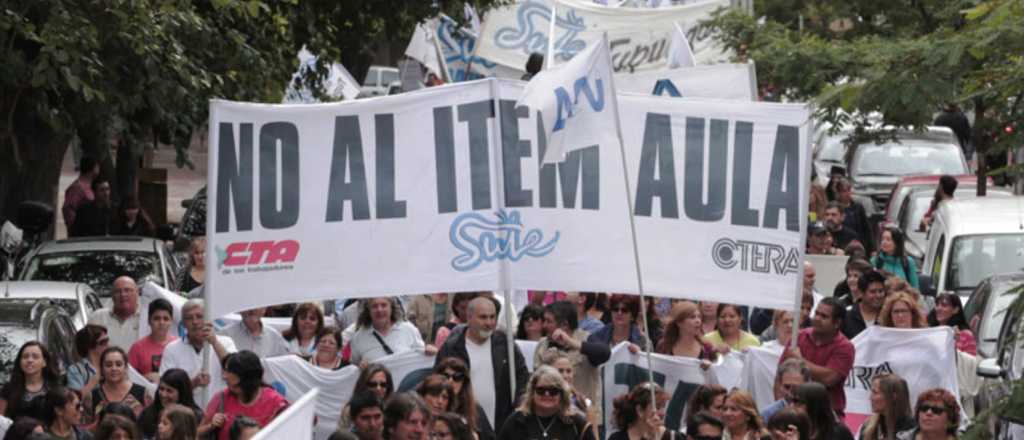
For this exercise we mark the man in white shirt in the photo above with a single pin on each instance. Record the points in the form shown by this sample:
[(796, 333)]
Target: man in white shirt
[(200, 354), (121, 320), (381, 331), (250, 334)]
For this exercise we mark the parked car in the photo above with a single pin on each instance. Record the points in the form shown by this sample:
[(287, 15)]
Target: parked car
[(965, 183), (193, 224), (874, 169), (1003, 370), (377, 80), (915, 206), (986, 310), (50, 312), (98, 261), (973, 239)]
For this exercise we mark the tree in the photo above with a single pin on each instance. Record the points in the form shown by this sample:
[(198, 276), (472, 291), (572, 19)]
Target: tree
[(902, 59), (122, 74)]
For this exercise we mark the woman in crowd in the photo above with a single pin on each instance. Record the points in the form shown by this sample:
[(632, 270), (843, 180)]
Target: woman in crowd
[(459, 303), (893, 258), (741, 418), (890, 408), (463, 400), (246, 395), (117, 409), (623, 328), (655, 328), (729, 335), (949, 311), (116, 427), (64, 414), (683, 335), (194, 274), (175, 389), (546, 412), (708, 316), (937, 416), (23, 427), (436, 391), (531, 323), (90, 342), (34, 373), (846, 290), (328, 349), (145, 354), (451, 426), (781, 331), (243, 428), (638, 417), (901, 311), (114, 387), (375, 378), (708, 397), (131, 219), (177, 422), (812, 398), (789, 424), (307, 322), (561, 361)]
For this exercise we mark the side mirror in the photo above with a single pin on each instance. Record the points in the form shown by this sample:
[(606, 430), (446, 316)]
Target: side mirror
[(926, 283), (167, 231), (990, 369)]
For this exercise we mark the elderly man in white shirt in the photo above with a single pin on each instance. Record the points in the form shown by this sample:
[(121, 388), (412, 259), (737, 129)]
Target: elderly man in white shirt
[(381, 331), (250, 334), (200, 354), (121, 320)]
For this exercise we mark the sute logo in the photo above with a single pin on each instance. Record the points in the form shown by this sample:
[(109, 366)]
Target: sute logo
[(248, 253)]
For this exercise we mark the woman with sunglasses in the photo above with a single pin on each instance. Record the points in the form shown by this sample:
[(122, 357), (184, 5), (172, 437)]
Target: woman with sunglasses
[(638, 417), (546, 412), (64, 414), (893, 258), (531, 323), (938, 417), (812, 398), (890, 408), (90, 342), (463, 401), (374, 378), (624, 309)]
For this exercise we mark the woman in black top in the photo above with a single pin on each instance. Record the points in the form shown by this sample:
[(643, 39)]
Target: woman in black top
[(175, 388), (812, 398), (546, 412), (33, 375), (639, 417)]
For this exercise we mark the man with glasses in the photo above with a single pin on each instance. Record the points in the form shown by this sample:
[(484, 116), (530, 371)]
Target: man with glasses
[(790, 374), (367, 411), (121, 320), (202, 363), (864, 313), (826, 352)]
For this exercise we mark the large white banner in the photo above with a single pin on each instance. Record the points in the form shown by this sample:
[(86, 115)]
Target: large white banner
[(295, 423), (428, 192), (639, 38), (717, 81)]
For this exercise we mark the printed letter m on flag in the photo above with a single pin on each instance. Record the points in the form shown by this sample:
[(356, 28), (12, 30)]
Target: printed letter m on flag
[(567, 105)]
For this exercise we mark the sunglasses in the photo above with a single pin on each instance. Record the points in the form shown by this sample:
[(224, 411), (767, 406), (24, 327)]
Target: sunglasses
[(620, 310), (937, 410), (548, 391), (376, 384), (458, 377)]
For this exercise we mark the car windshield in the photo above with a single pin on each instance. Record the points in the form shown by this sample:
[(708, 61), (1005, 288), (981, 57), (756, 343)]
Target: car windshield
[(388, 76), (16, 311), (98, 269), (975, 257), (990, 332), (909, 157)]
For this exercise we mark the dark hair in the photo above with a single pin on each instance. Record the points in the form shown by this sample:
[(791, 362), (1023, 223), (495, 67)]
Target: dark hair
[(630, 302), (948, 402), (958, 320), (589, 300), (815, 398), (694, 422), (435, 384), (108, 352), (303, 310), (534, 63), (838, 312), (460, 298), (132, 202), (114, 423), (369, 372), (948, 184), (868, 277), (734, 307), (99, 180), (330, 331), (160, 304), (57, 398), (86, 164), (50, 374), (239, 424), (834, 205), (858, 263), (458, 425), (702, 398), (341, 434), (625, 405), (531, 311), (179, 380), (21, 428), (399, 407), (564, 312), (898, 241), (789, 416), (247, 366), (364, 400), (365, 321), (86, 338), (116, 409), (465, 402)]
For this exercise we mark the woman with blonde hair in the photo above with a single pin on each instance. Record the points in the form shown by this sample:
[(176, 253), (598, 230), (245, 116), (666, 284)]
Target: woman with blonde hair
[(741, 418), (193, 274), (683, 335), (546, 411), (901, 311), (890, 408)]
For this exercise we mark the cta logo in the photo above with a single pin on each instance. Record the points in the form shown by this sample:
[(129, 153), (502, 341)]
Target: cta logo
[(257, 255), (753, 256), (482, 239)]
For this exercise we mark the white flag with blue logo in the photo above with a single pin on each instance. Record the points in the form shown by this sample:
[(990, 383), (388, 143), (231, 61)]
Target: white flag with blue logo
[(576, 101)]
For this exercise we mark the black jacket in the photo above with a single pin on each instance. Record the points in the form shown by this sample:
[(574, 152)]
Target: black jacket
[(522, 426), (93, 220), (504, 402), (855, 218), (854, 322)]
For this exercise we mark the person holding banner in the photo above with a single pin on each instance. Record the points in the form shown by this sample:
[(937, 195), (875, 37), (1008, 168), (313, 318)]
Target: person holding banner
[(683, 335), (825, 350), (307, 322), (729, 335), (200, 354), (938, 417), (546, 412), (890, 408), (381, 331), (328, 349), (246, 395), (563, 336), (250, 334), (640, 414), (625, 310), (901, 311)]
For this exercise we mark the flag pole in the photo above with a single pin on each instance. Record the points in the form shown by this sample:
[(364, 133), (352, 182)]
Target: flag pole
[(632, 227), (549, 61)]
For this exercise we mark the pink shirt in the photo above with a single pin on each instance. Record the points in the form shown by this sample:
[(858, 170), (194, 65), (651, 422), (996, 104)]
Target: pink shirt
[(145, 354), (267, 406), (75, 196)]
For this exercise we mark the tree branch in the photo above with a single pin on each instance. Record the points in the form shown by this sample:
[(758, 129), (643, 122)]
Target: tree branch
[(15, 147)]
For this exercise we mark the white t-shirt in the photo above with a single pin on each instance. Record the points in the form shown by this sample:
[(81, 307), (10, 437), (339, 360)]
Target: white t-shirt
[(481, 373), (181, 354), (269, 343), (403, 336), (121, 333)]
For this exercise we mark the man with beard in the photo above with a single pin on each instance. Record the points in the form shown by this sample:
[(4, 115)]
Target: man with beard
[(834, 223), (864, 313), (826, 352), (381, 331), (367, 416), (562, 335)]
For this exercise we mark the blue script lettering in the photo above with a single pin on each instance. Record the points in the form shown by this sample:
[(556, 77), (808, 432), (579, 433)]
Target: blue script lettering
[(481, 239), (568, 105), (528, 37)]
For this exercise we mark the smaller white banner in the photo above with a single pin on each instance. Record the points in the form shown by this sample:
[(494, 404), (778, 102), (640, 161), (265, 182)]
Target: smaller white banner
[(296, 422), (737, 82)]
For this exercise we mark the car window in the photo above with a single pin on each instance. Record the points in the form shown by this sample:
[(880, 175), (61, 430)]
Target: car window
[(98, 269), (937, 263), (910, 157), (388, 77), (978, 301), (993, 320), (371, 77), (57, 331), (976, 257)]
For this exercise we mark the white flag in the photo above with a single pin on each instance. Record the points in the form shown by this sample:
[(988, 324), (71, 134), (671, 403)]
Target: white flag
[(576, 101), (422, 48), (472, 17), (296, 422), (680, 54)]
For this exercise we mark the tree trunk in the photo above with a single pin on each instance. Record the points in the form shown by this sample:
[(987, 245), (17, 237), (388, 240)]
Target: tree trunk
[(127, 171), (980, 145), (41, 151)]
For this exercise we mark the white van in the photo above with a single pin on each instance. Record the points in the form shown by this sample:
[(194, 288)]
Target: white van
[(972, 239)]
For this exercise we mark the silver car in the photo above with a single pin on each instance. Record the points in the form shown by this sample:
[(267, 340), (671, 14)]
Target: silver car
[(1005, 369), (49, 312)]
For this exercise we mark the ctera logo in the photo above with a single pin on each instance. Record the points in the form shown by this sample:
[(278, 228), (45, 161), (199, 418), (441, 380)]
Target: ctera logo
[(480, 239), (250, 253), (752, 256), (571, 105)]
